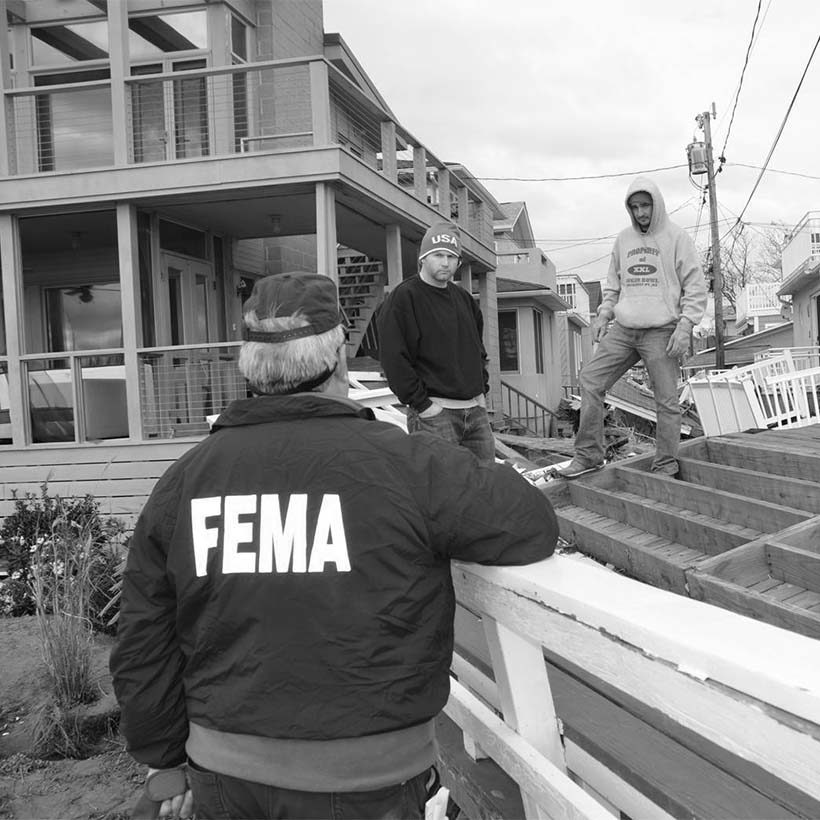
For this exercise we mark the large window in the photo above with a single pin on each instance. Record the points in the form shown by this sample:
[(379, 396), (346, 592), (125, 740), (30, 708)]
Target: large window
[(74, 126), (508, 340), (88, 317), (538, 334), (54, 45), (155, 34)]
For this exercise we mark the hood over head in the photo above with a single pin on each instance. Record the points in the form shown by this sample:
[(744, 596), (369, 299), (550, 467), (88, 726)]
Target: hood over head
[(659, 215)]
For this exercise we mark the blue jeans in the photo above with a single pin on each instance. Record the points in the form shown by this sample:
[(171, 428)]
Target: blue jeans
[(220, 797), (620, 349), (469, 428)]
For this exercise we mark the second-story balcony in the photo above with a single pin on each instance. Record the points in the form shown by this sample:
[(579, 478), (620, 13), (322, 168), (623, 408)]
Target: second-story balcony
[(195, 114)]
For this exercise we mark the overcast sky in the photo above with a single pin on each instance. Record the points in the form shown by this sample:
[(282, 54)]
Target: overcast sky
[(544, 89)]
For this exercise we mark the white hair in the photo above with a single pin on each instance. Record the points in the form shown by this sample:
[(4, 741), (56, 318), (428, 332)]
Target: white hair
[(281, 367)]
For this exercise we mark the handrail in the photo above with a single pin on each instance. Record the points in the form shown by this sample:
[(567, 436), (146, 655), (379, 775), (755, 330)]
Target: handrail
[(743, 695), (533, 410)]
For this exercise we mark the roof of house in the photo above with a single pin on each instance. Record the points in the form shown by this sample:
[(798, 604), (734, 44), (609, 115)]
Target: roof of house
[(741, 350), (510, 288), (511, 212)]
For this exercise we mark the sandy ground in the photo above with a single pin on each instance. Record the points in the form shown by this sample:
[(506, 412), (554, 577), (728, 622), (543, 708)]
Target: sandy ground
[(103, 787)]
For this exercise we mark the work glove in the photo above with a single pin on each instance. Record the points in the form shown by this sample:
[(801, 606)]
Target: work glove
[(678, 345), (600, 325)]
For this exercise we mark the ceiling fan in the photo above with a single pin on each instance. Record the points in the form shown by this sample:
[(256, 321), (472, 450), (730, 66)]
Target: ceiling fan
[(83, 291)]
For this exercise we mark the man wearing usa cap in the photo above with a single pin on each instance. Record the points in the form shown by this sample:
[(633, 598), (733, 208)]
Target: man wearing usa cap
[(431, 348), (286, 624)]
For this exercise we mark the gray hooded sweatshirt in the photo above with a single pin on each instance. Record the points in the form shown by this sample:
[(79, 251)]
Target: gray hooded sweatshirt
[(654, 278)]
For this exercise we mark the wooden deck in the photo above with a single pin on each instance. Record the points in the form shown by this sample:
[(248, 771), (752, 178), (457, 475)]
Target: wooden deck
[(739, 527), (120, 477)]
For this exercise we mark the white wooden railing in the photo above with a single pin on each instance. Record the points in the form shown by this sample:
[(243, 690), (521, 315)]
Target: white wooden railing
[(747, 691)]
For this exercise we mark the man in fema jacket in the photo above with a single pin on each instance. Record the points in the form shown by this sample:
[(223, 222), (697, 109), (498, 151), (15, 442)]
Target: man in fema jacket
[(286, 627)]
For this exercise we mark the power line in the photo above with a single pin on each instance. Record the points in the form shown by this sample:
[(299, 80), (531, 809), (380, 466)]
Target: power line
[(780, 130), (578, 178), (773, 170), (740, 83)]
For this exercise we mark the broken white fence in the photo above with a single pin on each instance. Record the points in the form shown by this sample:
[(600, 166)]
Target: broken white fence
[(772, 392)]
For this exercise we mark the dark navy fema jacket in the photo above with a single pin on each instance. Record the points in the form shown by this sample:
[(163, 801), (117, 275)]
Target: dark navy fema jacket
[(289, 576)]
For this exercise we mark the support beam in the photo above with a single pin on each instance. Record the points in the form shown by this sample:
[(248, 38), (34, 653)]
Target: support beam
[(12, 269), (128, 250), (392, 238), (420, 172), (464, 207), (390, 166), (326, 255), (320, 102), (5, 82), (444, 192), (119, 61)]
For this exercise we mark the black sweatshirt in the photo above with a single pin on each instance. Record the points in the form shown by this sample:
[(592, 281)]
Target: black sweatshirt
[(430, 343)]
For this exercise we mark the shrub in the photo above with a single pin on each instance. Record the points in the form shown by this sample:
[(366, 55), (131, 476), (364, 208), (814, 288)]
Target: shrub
[(50, 532)]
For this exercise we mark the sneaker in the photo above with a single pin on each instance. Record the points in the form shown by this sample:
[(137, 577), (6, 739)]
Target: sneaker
[(577, 468)]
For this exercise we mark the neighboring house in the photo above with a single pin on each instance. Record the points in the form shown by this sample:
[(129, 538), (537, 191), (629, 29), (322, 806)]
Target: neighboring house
[(529, 333), (758, 307), (742, 350), (574, 329), (801, 279), (156, 157)]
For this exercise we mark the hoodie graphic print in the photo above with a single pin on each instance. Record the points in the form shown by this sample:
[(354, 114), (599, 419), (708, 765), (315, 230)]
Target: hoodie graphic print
[(655, 277)]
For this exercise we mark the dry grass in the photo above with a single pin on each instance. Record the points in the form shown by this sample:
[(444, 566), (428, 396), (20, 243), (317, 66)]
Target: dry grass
[(62, 588)]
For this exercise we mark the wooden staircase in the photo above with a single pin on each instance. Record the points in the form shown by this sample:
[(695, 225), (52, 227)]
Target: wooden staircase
[(361, 289), (739, 527)]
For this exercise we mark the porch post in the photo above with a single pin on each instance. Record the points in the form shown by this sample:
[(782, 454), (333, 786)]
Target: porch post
[(392, 237), (11, 263), (320, 102), (420, 172), (464, 207), (488, 302), (467, 277), (5, 82), (326, 254), (390, 166), (118, 53), (444, 191), (127, 248)]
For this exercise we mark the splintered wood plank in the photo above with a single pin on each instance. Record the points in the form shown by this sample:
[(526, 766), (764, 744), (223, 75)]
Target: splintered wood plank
[(764, 584), (691, 529), (727, 506), (795, 493), (711, 590), (762, 457), (794, 565)]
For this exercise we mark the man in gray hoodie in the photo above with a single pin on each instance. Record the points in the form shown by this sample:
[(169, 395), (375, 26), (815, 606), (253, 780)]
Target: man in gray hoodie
[(656, 293)]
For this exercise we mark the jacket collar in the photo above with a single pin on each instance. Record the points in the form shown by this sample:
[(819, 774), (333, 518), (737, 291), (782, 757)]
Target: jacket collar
[(265, 409)]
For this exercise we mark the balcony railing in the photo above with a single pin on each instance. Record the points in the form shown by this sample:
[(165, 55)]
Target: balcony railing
[(222, 111), (180, 387)]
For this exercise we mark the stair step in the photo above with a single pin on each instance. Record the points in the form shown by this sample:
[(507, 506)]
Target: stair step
[(796, 493), (688, 527), (641, 554), (718, 503)]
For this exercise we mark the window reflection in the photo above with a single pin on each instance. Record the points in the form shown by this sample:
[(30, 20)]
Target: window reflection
[(163, 33)]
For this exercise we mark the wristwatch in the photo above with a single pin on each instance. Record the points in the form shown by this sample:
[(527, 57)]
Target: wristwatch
[(162, 784)]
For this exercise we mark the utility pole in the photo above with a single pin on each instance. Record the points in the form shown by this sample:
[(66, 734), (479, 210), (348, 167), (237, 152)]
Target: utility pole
[(704, 121)]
